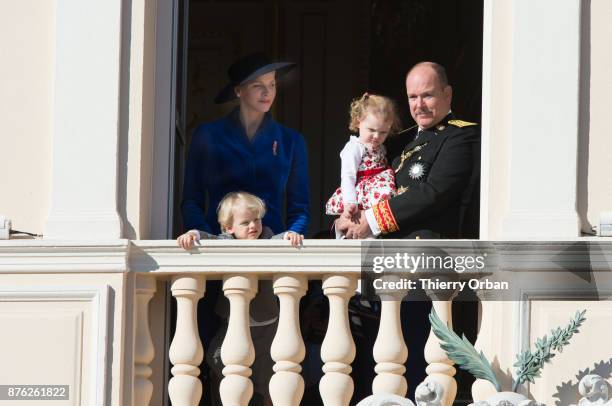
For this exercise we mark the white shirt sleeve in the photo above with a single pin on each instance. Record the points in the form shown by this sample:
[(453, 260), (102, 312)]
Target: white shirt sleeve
[(369, 215), (351, 159)]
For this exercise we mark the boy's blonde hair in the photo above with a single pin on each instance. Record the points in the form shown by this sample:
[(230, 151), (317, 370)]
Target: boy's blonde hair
[(233, 199), (380, 106)]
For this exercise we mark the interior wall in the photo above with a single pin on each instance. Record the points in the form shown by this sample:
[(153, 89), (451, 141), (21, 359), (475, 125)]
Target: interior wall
[(598, 156), (367, 46), (314, 98), (27, 51)]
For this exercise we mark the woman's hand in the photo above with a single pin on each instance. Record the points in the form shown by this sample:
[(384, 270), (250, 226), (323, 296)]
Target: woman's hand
[(187, 240), (295, 238)]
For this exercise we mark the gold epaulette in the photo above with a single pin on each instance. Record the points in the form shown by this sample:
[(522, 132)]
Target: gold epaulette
[(461, 123)]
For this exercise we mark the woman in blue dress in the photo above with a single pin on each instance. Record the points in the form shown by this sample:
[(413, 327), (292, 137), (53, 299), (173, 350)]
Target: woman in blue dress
[(249, 151), (246, 151)]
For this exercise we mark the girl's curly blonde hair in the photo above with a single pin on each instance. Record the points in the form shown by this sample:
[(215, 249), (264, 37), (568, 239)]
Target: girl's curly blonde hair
[(380, 106)]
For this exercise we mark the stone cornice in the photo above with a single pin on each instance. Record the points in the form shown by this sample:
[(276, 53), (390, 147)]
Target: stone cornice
[(78, 256), (579, 255)]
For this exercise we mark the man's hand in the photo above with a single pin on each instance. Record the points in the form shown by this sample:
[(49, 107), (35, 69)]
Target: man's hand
[(357, 229)]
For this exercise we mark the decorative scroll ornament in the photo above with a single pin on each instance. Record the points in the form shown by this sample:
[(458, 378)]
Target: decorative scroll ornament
[(385, 400), (594, 390), (426, 394), (507, 399)]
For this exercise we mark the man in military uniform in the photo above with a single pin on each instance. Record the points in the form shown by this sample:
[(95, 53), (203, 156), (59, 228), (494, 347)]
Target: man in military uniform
[(435, 172)]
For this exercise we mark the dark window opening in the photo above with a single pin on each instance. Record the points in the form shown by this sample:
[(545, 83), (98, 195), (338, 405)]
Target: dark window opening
[(343, 48)]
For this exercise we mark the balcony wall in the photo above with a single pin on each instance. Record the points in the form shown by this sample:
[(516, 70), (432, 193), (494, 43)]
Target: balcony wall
[(79, 313)]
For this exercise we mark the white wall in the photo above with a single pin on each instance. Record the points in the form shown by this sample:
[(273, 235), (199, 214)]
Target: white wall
[(600, 129), (27, 52), (136, 138), (594, 190), (496, 122)]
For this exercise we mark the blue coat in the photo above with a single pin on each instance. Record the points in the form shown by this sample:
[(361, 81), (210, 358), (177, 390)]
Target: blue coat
[(273, 165)]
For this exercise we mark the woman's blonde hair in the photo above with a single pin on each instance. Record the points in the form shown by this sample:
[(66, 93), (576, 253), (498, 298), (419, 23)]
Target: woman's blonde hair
[(380, 106), (233, 199)]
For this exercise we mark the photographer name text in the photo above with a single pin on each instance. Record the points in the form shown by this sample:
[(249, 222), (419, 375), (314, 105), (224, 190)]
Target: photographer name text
[(437, 284)]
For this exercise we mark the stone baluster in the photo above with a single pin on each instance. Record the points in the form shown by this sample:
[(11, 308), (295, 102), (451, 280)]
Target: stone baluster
[(489, 309), (287, 385), (144, 352), (440, 369), (237, 351), (186, 352), (390, 350), (338, 348)]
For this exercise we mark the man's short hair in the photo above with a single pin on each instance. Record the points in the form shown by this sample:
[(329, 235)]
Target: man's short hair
[(226, 205), (439, 69)]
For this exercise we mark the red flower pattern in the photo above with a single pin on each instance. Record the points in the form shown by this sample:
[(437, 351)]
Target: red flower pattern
[(370, 189)]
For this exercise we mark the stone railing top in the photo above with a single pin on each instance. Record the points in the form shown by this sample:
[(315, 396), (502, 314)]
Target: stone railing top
[(315, 257)]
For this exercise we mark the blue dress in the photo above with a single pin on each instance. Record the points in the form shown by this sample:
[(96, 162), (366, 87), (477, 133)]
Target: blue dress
[(273, 165)]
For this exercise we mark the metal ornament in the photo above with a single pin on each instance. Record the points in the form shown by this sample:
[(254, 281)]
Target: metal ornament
[(406, 155), (416, 171)]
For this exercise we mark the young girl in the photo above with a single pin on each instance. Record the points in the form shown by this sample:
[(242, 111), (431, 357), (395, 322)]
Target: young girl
[(239, 216), (366, 176)]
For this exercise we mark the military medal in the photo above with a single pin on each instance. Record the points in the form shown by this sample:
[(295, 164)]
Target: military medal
[(416, 171)]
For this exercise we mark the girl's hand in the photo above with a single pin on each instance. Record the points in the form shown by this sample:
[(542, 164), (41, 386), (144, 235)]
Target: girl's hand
[(351, 212), (187, 240), (295, 238), (350, 209)]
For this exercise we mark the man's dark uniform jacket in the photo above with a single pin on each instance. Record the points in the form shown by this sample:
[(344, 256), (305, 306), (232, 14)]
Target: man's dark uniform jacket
[(437, 175)]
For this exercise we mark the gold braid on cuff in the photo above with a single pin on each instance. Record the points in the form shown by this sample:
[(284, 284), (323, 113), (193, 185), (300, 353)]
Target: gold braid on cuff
[(384, 217)]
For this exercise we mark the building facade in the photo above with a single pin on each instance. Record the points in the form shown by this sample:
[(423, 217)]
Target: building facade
[(88, 134)]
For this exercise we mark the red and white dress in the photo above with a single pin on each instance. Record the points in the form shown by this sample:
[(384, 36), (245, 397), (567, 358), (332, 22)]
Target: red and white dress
[(366, 177)]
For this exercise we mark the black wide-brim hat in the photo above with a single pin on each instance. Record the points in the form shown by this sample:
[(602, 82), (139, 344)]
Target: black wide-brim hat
[(248, 68)]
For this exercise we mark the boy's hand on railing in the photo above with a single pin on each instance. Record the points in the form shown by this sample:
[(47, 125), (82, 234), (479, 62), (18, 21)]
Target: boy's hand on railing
[(295, 238), (187, 240)]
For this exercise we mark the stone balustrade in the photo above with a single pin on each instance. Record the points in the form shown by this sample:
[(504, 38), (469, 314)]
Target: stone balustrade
[(240, 264)]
